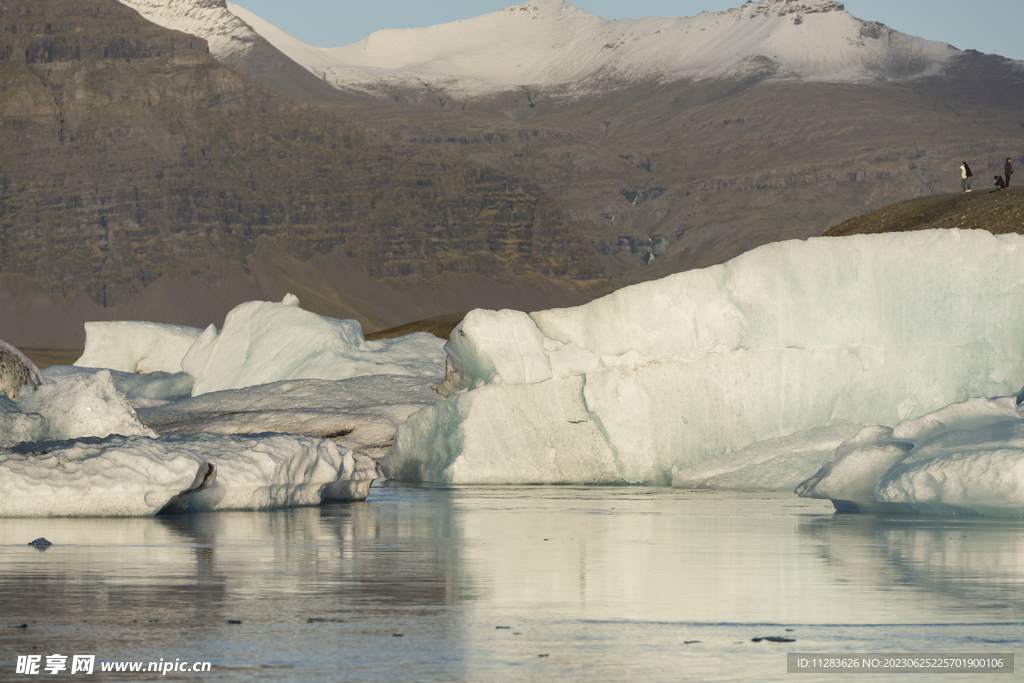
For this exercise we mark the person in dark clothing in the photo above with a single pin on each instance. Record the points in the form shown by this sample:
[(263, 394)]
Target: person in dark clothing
[(965, 175), (999, 182), (1007, 171)]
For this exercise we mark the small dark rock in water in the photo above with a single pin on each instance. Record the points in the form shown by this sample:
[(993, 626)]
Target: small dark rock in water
[(690, 642), (397, 635), (775, 639), (40, 543), (20, 626), (502, 627), (234, 621)]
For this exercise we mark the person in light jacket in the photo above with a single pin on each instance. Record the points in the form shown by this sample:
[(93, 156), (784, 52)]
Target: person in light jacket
[(965, 177), (1007, 171)]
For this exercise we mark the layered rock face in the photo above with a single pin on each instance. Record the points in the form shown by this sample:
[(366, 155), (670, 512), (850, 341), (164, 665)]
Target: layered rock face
[(130, 155)]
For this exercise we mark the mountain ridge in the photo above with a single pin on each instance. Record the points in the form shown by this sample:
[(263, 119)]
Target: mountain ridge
[(551, 44)]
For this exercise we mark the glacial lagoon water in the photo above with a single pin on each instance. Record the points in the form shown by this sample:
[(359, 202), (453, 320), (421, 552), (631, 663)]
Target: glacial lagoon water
[(460, 583)]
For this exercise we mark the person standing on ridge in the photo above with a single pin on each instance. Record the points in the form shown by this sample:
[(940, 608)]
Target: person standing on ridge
[(965, 177), (1007, 171)]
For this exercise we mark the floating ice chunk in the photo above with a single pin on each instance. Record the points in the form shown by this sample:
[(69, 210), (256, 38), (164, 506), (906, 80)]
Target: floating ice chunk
[(266, 342), (987, 482), (964, 458), (849, 474), (132, 346), (133, 475)]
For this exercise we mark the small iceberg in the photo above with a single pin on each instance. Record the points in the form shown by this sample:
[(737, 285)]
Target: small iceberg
[(964, 459), (282, 408), (129, 476)]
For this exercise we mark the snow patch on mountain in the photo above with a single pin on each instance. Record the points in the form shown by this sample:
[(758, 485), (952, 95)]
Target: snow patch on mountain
[(552, 44), (228, 36)]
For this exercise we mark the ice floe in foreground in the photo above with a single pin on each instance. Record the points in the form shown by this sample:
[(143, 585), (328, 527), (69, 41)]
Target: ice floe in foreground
[(317, 405), (121, 476), (967, 458), (663, 376)]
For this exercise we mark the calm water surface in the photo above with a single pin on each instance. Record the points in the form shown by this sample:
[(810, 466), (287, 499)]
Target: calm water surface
[(425, 583)]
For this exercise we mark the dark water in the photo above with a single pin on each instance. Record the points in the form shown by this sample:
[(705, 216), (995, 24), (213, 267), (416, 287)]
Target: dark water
[(510, 584)]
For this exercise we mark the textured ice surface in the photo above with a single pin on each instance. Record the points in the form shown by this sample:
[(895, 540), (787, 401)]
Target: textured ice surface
[(134, 475), (266, 342), (964, 458), (73, 450), (154, 388), (76, 406), (131, 346), (669, 374), (361, 413), (770, 465)]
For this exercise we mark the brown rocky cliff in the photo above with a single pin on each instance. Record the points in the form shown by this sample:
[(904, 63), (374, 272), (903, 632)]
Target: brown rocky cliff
[(128, 155)]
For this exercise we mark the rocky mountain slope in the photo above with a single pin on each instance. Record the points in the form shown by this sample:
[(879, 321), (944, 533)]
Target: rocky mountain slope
[(983, 208), (677, 143), (142, 178), (146, 179)]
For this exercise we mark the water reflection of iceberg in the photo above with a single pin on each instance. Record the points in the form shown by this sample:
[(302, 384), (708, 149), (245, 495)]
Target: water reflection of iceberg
[(971, 565)]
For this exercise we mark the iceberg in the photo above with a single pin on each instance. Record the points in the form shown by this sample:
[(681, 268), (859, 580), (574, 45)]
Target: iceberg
[(966, 458), (135, 346), (659, 377), (124, 476), (265, 342), (282, 407)]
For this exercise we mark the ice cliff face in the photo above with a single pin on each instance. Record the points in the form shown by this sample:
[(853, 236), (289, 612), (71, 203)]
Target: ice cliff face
[(668, 374), (552, 44)]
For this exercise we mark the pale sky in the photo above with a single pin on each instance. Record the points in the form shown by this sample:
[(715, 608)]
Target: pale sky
[(992, 27)]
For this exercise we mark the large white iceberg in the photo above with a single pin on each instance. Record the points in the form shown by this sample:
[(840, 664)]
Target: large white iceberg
[(266, 342), (661, 376)]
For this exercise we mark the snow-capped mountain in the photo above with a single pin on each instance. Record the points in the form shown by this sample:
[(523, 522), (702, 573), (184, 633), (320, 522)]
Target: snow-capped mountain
[(552, 44), (236, 44), (227, 35)]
